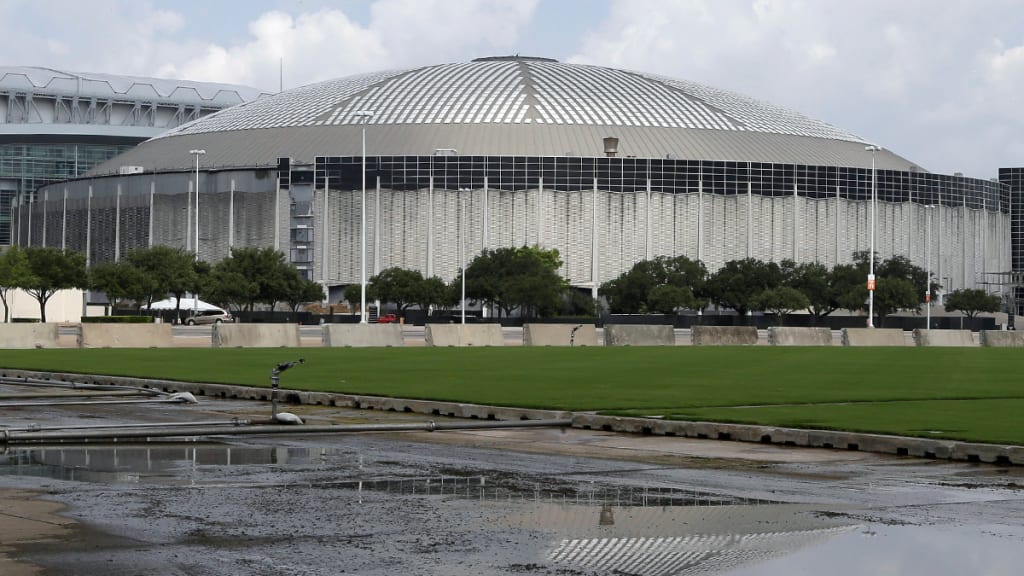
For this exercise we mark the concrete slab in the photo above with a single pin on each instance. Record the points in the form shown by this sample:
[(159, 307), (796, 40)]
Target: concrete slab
[(125, 336), (28, 335), (873, 337), (943, 338), (362, 335), (724, 335), (464, 335), (794, 336), (639, 335), (559, 335), (256, 336), (1002, 339)]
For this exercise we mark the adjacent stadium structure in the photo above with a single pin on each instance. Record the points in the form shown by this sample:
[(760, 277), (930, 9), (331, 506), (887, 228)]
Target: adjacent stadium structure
[(608, 166), (56, 125)]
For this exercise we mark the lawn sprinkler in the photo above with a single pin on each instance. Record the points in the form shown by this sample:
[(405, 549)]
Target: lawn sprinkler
[(572, 335), (275, 381)]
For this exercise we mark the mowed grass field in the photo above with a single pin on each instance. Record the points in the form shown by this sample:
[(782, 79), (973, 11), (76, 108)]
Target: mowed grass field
[(959, 393)]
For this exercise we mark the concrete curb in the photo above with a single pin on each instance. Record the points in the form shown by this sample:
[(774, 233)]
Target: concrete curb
[(876, 443)]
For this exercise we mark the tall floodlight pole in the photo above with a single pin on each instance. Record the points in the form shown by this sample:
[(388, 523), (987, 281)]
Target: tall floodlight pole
[(365, 115), (462, 249), (197, 154), (871, 253)]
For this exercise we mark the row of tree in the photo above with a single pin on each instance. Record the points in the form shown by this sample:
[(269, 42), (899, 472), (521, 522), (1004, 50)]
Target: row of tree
[(666, 285), (248, 277)]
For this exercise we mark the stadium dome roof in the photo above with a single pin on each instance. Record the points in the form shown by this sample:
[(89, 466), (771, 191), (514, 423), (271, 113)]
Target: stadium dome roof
[(509, 106)]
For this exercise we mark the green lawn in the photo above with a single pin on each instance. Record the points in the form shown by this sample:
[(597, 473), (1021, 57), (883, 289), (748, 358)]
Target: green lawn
[(967, 393)]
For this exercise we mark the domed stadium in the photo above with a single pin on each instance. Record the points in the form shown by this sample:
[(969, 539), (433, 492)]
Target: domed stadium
[(608, 166)]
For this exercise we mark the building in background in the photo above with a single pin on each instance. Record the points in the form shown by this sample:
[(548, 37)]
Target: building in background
[(57, 125), (608, 166)]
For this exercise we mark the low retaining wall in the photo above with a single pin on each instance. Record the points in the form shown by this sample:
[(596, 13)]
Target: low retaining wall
[(724, 335), (464, 335), (943, 337), (873, 337), (559, 335), (1002, 339), (639, 335), (361, 335), (18, 335), (791, 336), (255, 336), (125, 336)]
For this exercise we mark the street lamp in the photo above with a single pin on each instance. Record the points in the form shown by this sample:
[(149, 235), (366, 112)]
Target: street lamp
[(197, 153), (928, 266), (365, 115), (871, 254)]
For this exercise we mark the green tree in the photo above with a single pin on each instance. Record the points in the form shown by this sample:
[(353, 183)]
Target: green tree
[(434, 293), (50, 271), (781, 302), (739, 282), (816, 282), (524, 278), (972, 302), (14, 272), (302, 290), (669, 298), (893, 294), (119, 281), (229, 289), (353, 295), (168, 270), (628, 294), (266, 274), (400, 286)]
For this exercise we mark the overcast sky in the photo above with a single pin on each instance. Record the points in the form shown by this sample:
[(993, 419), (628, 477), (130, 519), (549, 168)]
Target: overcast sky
[(939, 82)]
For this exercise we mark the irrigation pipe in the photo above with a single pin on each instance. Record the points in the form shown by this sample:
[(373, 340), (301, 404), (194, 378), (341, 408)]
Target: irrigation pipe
[(16, 437), (37, 428), (41, 383), (69, 394)]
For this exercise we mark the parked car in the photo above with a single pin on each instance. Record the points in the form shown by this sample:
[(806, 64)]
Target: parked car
[(215, 316), (387, 319)]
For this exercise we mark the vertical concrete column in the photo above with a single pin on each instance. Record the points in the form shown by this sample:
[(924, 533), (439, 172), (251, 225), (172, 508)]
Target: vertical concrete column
[(540, 211), (430, 228), (117, 225), (963, 246), (152, 203), (324, 235), (88, 230), (648, 237), (46, 199), (796, 224), (31, 202), (700, 220), (750, 220), (277, 215), (839, 243), (64, 221), (485, 233), (594, 273), (231, 217), (376, 232)]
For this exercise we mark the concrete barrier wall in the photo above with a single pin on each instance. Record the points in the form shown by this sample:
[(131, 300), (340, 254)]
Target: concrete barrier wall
[(255, 336), (27, 335), (791, 336), (873, 337), (464, 335), (125, 336), (559, 334), (1001, 339), (361, 335), (943, 337), (724, 335), (639, 335)]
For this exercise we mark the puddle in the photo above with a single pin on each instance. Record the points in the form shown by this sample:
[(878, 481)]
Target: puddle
[(110, 465)]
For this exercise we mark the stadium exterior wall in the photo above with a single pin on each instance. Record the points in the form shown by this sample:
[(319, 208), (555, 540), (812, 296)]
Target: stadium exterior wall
[(602, 214)]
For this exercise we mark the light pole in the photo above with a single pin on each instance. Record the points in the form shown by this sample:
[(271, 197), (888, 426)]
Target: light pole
[(871, 253), (928, 266), (462, 247), (365, 115), (197, 153)]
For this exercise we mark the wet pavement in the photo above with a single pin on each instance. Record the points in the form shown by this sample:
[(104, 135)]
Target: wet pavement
[(529, 501)]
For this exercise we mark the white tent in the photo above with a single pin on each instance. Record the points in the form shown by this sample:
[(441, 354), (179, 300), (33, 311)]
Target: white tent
[(187, 304)]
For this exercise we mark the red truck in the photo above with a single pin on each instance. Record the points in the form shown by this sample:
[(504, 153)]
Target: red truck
[(387, 319)]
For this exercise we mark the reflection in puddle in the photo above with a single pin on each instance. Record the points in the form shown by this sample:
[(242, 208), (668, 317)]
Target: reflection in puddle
[(656, 541), (104, 464)]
